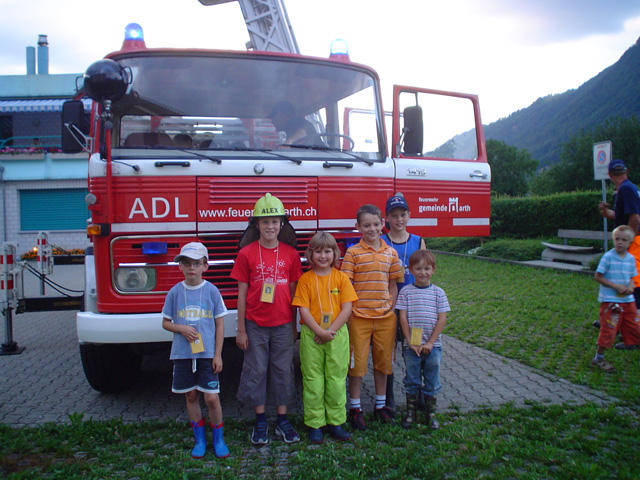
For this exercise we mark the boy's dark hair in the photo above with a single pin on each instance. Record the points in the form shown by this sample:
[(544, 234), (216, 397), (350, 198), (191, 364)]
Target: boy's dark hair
[(251, 234), (422, 256), (370, 209), (323, 240)]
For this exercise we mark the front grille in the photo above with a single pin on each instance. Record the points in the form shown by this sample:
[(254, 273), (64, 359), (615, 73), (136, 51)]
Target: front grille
[(222, 248)]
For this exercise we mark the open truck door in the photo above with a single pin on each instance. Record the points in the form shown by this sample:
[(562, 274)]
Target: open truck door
[(441, 161)]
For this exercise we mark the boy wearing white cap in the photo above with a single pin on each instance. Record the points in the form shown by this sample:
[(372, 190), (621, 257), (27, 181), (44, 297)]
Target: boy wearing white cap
[(194, 311)]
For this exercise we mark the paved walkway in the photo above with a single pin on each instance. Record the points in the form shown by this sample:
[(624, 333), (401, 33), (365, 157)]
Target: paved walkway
[(46, 382)]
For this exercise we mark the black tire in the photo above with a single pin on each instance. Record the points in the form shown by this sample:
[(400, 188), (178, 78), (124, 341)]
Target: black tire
[(109, 368)]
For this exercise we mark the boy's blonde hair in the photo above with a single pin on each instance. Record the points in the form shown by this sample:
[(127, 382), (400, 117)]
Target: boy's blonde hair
[(323, 240), (627, 230), (422, 256)]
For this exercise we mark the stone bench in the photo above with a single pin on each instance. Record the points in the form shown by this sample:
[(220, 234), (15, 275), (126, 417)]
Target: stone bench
[(555, 252)]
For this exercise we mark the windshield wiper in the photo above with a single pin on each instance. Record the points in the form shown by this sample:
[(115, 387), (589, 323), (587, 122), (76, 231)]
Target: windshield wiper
[(328, 149), (297, 161), (189, 151)]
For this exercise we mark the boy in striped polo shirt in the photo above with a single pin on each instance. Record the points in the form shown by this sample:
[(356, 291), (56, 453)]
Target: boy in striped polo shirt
[(374, 268), (423, 309)]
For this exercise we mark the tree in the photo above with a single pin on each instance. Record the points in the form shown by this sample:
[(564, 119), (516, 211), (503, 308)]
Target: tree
[(511, 168), (575, 169)]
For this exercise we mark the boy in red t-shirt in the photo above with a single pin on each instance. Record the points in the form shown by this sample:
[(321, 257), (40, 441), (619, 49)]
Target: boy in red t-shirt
[(267, 271)]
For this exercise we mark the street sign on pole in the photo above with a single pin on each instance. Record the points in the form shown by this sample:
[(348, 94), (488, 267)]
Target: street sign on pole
[(601, 159)]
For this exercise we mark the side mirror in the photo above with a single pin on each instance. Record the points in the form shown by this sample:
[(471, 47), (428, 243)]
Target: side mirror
[(412, 131), (75, 126)]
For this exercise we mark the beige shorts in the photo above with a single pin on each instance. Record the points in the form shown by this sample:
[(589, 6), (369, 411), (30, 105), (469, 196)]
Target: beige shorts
[(379, 334)]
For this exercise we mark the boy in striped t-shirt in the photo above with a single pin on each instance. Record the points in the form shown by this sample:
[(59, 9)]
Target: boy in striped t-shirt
[(618, 310), (423, 311), (374, 268)]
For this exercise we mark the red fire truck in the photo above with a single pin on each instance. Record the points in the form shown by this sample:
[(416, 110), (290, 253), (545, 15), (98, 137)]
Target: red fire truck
[(182, 143)]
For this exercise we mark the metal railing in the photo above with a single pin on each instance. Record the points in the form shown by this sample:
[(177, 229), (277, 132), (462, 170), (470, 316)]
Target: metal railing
[(31, 142)]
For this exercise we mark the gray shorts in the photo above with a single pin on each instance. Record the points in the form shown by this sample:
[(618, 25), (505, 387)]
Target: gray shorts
[(270, 352), (203, 379)]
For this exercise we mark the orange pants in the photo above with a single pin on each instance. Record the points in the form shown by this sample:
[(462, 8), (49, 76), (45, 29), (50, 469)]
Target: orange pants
[(377, 335), (625, 320)]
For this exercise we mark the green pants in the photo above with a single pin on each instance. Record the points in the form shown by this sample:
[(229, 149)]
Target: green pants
[(324, 372)]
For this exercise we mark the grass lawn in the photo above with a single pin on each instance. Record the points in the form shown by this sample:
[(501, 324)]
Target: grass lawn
[(539, 317)]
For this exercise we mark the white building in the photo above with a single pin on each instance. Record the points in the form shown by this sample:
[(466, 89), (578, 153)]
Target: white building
[(41, 189)]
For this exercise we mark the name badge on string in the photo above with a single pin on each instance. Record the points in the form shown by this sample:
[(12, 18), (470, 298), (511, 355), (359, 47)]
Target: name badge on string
[(268, 290), (325, 319), (416, 336), (197, 346)]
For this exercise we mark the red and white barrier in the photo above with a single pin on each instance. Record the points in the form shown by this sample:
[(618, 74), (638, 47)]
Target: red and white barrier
[(44, 253)]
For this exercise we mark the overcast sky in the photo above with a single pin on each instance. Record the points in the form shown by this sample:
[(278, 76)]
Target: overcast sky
[(509, 52)]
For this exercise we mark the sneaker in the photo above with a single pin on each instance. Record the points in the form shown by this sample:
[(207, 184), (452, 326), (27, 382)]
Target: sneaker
[(260, 434), (433, 422), (603, 365), (356, 419), (339, 433), (596, 324), (286, 432), (315, 435), (383, 414), (622, 346)]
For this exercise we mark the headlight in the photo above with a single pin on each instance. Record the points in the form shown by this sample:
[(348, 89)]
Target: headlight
[(135, 279)]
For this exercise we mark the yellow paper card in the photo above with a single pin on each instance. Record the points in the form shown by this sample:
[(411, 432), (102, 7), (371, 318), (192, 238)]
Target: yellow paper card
[(197, 346), (268, 290), (416, 336)]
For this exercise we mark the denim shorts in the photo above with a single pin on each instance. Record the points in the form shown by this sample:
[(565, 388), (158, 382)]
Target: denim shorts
[(203, 379), (422, 372)]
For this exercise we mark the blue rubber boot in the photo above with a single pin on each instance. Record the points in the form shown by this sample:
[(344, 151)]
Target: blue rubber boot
[(200, 447), (218, 441)]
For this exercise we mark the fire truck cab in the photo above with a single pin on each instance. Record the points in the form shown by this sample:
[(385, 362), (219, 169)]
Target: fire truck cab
[(183, 142)]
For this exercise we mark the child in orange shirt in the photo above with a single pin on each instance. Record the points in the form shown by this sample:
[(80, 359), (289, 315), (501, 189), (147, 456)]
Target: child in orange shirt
[(324, 296)]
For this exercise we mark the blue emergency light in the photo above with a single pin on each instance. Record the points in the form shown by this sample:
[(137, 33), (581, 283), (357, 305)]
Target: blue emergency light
[(154, 248), (133, 31), (133, 38), (339, 50)]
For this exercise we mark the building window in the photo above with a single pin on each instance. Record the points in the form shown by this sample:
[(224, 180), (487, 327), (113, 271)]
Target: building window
[(6, 131), (53, 209)]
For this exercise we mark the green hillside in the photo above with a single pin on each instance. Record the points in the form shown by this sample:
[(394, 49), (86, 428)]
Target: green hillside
[(550, 121)]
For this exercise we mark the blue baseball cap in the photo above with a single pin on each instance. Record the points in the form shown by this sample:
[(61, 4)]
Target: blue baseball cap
[(617, 166), (397, 201)]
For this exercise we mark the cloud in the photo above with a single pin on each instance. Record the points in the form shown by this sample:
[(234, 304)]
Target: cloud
[(549, 21)]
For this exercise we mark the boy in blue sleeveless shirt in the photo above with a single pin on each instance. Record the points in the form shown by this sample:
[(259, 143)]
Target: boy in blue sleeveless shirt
[(404, 243)]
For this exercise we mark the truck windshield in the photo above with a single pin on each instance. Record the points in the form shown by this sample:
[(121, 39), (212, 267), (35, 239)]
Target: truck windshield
[(247, 102)]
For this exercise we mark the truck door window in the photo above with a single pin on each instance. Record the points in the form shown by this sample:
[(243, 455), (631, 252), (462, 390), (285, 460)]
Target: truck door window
[(448, 127)]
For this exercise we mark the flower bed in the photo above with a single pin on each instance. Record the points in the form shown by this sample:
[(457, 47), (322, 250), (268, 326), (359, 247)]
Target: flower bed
[(60, 256)]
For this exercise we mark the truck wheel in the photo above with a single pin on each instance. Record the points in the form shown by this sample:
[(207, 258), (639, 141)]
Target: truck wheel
[(109, 368)]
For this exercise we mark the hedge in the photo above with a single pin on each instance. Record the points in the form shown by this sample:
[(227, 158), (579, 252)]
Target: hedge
[(542, 216)]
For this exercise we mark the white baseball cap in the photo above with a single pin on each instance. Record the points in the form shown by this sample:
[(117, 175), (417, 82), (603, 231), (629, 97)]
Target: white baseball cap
[(194, 251)]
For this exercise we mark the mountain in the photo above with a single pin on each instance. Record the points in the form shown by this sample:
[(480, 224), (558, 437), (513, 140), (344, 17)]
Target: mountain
[(550, 121)]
